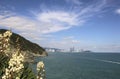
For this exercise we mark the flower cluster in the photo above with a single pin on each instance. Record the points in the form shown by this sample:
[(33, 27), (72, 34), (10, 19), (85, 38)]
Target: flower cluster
[(7, 74), (4, 41), (40, 65), (15, 66), (16, 60), (41, 70)]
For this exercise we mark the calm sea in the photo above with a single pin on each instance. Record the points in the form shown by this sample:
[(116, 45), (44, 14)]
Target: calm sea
[(82, 65)]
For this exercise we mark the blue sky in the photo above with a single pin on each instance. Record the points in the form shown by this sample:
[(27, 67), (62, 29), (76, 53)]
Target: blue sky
[(84, 24)]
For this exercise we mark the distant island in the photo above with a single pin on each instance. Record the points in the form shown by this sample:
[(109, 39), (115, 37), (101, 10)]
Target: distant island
[(86, 51)]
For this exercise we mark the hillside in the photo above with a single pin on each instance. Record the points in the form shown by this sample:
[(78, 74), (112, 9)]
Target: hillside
[(25, 45)]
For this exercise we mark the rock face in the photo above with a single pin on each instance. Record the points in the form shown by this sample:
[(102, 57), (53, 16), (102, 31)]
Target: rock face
[(25, 45)]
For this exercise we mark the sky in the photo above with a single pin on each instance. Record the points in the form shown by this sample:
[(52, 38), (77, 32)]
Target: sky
[(84, 24)]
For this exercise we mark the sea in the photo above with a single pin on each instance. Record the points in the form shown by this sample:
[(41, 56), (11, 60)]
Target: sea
[(81, 65)]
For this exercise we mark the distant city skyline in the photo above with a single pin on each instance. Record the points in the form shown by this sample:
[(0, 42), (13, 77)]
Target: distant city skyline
[(69, 50), (87, 24)]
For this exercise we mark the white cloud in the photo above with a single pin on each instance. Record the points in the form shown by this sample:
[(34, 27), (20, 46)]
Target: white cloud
[(57, 17), (49, 21), (57, 20), (44, 24), (118, 11), (29, 28)]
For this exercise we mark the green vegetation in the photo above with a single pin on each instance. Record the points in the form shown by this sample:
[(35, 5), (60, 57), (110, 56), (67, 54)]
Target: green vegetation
[(14, 50), (25, 45)]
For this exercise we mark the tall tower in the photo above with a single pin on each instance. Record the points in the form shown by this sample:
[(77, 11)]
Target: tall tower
[(72, 49)]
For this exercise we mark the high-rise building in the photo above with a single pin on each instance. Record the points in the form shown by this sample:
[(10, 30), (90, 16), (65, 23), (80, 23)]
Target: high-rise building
[(72, 49)]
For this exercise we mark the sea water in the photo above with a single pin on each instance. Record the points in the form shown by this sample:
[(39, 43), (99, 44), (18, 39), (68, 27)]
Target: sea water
[(82, 65)]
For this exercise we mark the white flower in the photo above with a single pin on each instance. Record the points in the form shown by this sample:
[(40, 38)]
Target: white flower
[(40, 65), (7, 71), (7, 74), (41, 78), (7, 33), (16, 62), (15, 65), (17, 78), (41, 70), (4, 77)]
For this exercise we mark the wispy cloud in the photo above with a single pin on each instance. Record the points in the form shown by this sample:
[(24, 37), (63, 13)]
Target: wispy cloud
[(49, 20), (57, 17), (76, 2), (67, 18), (25, 26)]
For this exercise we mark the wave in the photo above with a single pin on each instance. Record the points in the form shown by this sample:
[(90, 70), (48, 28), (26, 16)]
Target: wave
[(107, 61)]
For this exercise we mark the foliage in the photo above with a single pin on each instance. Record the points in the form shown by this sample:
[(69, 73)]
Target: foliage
[(13, 65), (3, 63), (27, 72)]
